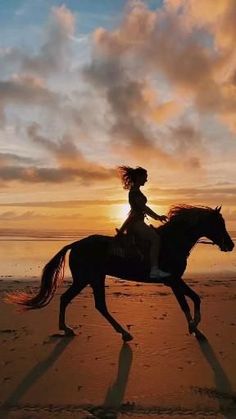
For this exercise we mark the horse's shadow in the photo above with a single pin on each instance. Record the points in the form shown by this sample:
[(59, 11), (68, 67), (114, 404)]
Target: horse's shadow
[(223, 391), (34, 374), (115, 393)]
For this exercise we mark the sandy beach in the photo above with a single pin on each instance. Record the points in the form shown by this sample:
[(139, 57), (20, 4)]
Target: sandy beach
[(163, 373), (117, 126)]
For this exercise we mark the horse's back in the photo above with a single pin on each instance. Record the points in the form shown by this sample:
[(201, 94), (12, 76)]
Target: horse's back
[(91, 249), (109, 255)]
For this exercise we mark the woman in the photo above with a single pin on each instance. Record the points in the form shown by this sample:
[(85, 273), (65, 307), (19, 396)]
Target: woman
[(132, 179)]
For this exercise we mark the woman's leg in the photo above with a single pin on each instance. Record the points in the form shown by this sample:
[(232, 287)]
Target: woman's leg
[(155, 249), (145, 232)]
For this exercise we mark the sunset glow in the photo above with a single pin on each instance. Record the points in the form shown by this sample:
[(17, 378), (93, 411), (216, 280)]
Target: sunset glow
[(119, 212), (83, 90)]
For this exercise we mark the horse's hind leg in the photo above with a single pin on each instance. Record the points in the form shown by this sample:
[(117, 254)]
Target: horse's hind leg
[(98, 287), (76, 287)]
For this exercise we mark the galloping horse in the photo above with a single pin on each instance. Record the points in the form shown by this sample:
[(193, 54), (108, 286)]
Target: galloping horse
[(96, 256)]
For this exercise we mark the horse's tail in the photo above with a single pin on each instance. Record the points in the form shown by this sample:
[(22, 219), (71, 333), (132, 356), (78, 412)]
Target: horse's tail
[(52, 276)]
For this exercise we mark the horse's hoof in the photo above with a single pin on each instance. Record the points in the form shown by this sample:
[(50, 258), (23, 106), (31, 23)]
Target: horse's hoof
[(200, 336), (127, 337), (68, 331)]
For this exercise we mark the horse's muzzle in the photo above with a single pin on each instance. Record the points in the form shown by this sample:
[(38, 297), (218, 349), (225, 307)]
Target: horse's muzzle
[(226, 245)]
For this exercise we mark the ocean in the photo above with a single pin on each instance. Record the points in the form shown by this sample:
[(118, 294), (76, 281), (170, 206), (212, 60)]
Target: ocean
[(24, 257)]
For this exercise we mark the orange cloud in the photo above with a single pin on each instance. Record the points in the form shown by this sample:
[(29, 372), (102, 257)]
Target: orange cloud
[(177, 41), (125, 107), (71, 164), (35, 174), (67, 155)]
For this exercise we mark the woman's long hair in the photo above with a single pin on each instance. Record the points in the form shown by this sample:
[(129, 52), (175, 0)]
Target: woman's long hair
[(129, 175)]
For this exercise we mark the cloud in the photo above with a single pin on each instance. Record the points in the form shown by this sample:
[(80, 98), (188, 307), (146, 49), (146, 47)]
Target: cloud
[(149, 83), (69, 158), (55, 52), (188, 143), (63, 150), (218, 17), (163, 44), (189, 43), (135, 116), (11, 158), (133, 109), (212, 195), (27, 74), (13, 216), (70, 165), (54, 175), (122, 70), (65, 204), (26, 90)]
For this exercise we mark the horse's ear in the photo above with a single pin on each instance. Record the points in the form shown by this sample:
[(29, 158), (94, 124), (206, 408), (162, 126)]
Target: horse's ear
[(218, 209)]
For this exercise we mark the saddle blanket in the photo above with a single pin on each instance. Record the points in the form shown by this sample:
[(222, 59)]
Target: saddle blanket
[(125, 246)]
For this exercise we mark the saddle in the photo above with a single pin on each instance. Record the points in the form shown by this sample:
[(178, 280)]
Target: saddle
[(125, 245)]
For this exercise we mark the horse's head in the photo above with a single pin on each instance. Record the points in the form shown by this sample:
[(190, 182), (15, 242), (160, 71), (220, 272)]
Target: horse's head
[(202, 221), (215, 230)]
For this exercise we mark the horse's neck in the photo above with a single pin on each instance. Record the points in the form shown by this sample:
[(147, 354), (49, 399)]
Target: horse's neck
[(191, 240), (184, 240)]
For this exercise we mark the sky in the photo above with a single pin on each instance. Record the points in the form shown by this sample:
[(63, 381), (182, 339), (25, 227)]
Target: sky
[(86, 86)]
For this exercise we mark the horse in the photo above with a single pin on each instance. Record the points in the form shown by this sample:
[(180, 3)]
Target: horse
[(95, 256)]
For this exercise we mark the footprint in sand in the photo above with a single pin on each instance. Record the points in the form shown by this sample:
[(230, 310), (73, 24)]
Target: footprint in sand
[(8, 331)]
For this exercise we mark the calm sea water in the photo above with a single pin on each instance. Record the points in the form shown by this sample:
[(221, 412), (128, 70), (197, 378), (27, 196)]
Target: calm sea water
[(24, 257)]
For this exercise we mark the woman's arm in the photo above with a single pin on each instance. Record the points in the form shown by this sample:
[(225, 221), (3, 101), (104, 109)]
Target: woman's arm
[(150, 212), (154, 215), (137, 201)]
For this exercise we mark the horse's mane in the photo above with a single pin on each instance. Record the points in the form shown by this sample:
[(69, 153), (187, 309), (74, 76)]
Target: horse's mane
[(184, 213)]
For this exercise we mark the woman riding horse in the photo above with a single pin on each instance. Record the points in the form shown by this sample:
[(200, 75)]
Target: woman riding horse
[(133, 179), (90, 261)]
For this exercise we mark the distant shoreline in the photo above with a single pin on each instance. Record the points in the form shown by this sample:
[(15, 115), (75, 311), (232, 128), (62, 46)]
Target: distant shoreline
[(62, 237), (51, 235)]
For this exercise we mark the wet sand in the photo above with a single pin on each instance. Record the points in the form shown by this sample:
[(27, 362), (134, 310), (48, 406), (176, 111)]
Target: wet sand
[(163, 373)]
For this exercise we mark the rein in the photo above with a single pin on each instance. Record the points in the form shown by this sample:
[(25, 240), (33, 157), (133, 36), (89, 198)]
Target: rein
[(205, 242)]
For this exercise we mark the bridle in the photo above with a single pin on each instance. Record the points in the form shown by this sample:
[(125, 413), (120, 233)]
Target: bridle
[(212, 242)]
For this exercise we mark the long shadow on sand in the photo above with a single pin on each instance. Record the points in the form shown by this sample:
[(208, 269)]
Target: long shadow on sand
[(115, 393), (223, 392), (33, 375)]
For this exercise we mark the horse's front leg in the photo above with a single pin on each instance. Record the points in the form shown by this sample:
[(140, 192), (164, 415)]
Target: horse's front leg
[(179, 294), (196, 301)]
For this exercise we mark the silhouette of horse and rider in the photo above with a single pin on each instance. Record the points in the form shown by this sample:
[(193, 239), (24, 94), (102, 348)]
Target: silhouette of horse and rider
[(138, 252)]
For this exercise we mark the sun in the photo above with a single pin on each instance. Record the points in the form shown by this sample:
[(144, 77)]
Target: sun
[(119, 212)]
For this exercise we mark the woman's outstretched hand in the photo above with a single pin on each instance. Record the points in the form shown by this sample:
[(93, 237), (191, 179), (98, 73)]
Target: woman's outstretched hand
[(163, 218)]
